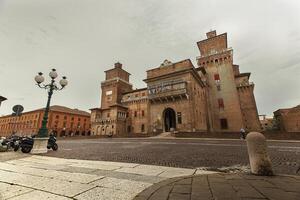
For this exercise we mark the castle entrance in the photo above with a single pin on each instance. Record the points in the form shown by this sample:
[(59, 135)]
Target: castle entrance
[(169, 117)]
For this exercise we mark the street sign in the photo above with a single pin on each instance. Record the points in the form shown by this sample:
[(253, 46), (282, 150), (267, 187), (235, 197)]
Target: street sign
[(18, 109)]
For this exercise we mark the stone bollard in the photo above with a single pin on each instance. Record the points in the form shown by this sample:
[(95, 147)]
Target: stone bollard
[(260, 162)]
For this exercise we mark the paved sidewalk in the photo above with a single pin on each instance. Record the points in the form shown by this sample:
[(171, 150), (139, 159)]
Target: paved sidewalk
[(224, 187), (42, 177), (23, 177)]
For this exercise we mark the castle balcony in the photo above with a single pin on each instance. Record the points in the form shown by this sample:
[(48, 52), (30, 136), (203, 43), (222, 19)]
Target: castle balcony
[(126, 99), (245, 84), (213, 53), (102, 120), (168, 92)]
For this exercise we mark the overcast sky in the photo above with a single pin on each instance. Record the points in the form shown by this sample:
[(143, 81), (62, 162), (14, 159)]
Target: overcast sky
[(82, 38)]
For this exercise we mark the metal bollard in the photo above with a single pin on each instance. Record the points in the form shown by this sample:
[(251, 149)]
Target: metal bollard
[(260, 162)]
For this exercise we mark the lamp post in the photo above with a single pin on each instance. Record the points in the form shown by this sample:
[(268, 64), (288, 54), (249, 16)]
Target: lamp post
[(42, 136)]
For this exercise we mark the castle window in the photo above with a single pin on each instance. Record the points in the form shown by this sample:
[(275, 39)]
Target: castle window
[(216, 61), (135, 113), (179, 119), (57, 116), (143, 94), (128, 129), (143, 128), (108, 93), (143, 113), (108, 114), (221, 103), (224, 124), (217, 77)]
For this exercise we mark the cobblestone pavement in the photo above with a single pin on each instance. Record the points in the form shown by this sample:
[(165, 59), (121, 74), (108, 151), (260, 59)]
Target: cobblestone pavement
[(224, 186), (212, 154)]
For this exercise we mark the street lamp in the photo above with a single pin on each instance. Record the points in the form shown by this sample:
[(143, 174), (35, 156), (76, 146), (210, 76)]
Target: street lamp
[(40, 142), (43, 131)]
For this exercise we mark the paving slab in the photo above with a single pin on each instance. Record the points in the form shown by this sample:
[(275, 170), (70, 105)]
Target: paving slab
[(39, 195), (127, 176), (105, 194), (60, 175), (121, 184), (8, 190), (170, 173), (141, 171), (59, 187), (95, 166)]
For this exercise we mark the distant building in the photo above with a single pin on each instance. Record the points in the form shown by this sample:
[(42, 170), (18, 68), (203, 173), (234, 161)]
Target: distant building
[(62, 121), (2, 99), (288, 119), (214, 96), (267, 123)]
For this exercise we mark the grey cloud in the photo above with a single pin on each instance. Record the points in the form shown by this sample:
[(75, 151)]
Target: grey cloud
[(84, 38)]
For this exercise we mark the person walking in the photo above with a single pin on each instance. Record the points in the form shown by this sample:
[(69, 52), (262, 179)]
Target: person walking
[(243, 133)]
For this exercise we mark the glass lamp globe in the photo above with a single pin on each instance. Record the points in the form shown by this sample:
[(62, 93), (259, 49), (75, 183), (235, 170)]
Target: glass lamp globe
[(39, 78), (63, 82), (53, 74)]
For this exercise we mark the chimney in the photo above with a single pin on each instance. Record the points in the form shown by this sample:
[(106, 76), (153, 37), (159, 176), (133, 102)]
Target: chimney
[(211, 34), (118, 65)]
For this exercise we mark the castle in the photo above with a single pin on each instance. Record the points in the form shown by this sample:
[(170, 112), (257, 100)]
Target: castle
[(212, 97)]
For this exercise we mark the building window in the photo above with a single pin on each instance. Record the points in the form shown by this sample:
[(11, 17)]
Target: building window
[(219, 87), (143, 128), (221, 103), (135, 113), (65, 117), (143, 113), (108, 114), (224, 124), (57, 116), (217, 77), (143, 94), (179, 119)]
